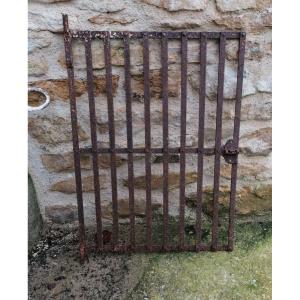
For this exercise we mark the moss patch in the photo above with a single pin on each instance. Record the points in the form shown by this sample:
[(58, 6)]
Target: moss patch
[(244, 273)]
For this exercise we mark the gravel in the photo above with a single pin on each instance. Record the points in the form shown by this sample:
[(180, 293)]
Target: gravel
[(55, 272)]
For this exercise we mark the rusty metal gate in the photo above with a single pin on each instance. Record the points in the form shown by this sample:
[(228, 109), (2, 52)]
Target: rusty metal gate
[(229, 150)]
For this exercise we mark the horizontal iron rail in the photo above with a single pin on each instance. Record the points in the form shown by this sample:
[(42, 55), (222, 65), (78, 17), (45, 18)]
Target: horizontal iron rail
[(206, 151), (160, 248), (153, 34)]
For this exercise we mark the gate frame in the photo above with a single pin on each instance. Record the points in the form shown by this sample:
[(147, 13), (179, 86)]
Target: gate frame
[(229, 150)]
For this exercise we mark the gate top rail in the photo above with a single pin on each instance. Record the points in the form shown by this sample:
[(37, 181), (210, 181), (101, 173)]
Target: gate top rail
[(82, 34)]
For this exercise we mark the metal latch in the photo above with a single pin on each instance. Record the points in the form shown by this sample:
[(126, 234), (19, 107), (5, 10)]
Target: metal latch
[(230, 152)]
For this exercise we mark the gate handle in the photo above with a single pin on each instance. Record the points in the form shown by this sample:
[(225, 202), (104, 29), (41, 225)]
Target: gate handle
[(42, 106)]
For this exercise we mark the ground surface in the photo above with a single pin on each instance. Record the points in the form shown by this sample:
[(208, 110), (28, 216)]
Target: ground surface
[(242, 274), (55, 271)]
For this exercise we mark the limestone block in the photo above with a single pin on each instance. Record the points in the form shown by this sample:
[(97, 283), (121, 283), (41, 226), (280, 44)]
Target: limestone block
[(68, 186), (234, 5), (258, 142), (246, 21), (229, 82), (48, 1), (65, 162), (103, 6), (59, 89), (37, 66), (157, 181), (61, 214), (108, 19), (176, 5), (53, 130), (38, 40), (123, 208)]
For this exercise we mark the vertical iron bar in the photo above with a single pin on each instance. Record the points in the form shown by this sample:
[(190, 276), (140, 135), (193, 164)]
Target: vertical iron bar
[(182, 137), (236, 133), (202, 86), (164, 62), (73, 110), (218, 139), (129, 140), (93, 122), (110, 106), (147, 138)]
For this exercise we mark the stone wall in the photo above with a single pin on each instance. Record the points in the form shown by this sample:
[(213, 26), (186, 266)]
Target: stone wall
[(50, 147)]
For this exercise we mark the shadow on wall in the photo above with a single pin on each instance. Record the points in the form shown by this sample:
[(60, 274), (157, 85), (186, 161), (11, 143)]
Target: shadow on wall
[(35, 222)]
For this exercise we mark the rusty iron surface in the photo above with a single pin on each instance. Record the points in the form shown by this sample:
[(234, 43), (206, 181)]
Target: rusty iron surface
[(105, 240)]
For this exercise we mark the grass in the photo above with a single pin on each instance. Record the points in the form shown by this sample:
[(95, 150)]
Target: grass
[(244, 273)]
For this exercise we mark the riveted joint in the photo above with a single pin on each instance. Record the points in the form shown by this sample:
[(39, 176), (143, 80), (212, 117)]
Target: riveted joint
[(69, 63)]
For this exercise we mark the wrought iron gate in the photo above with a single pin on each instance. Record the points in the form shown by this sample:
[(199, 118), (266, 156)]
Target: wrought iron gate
[(229, 150)]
